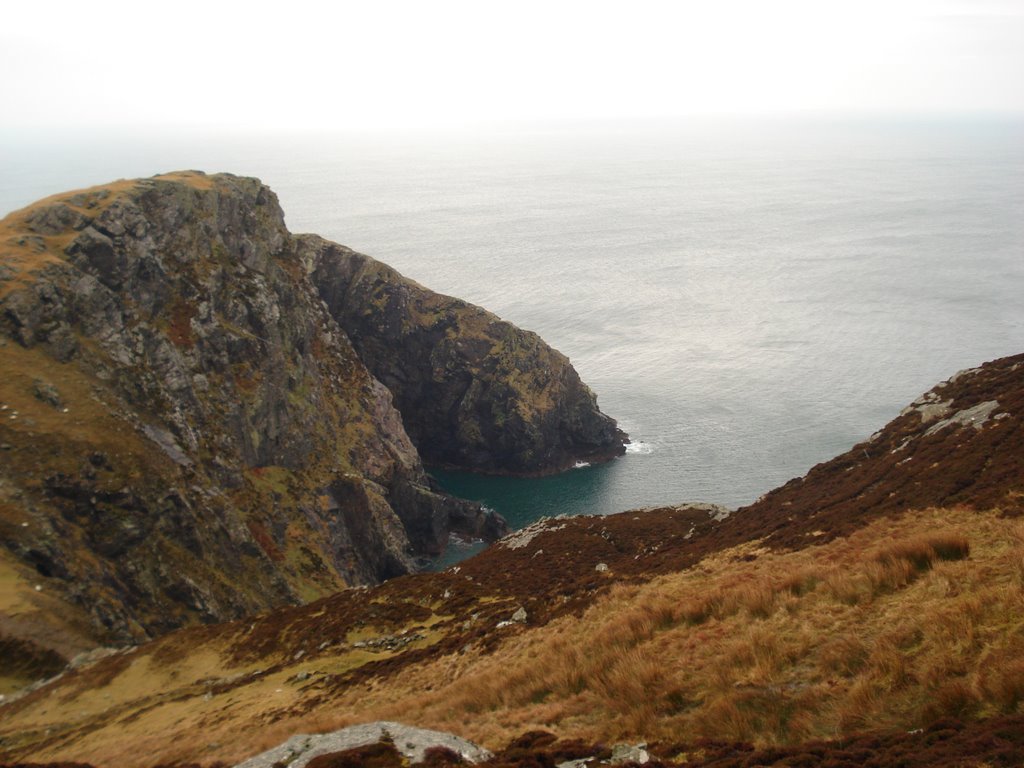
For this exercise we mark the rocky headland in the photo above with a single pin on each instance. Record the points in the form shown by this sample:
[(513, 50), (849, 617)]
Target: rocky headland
[(198, 415), (475, 392)]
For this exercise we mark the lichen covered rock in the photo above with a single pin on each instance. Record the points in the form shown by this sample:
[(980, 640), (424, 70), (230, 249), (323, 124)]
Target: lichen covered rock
[(475, 392), (188, 435)]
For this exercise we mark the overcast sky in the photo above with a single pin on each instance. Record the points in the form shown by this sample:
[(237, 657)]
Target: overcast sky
[(378, 64)]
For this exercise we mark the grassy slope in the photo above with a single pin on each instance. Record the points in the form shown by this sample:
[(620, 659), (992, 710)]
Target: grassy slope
[(809, 615), (768, 646)]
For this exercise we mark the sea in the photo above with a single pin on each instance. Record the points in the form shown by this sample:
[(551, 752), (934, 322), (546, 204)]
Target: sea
[(746, 297)]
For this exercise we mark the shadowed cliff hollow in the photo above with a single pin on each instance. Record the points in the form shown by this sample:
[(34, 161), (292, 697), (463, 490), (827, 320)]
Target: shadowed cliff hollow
[(188, 435)]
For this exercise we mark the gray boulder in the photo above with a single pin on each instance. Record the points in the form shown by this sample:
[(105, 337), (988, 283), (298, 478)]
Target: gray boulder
[(411, 742)]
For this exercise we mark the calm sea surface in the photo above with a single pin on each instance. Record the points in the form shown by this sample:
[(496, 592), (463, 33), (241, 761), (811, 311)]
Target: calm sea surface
[(746, 299)]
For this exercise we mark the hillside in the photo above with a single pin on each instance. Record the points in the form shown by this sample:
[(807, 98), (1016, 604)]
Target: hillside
[(188, 435), (869, 612)]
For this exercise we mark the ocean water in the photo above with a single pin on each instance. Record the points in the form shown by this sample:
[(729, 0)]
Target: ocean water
[(746, 298)]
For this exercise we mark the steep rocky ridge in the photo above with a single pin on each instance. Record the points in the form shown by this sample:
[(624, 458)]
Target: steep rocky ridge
[(474, 391), (883, 592), (187, 434)]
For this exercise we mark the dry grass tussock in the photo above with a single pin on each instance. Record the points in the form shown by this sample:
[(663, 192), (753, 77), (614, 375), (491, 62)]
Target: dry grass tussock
[(891, 629)]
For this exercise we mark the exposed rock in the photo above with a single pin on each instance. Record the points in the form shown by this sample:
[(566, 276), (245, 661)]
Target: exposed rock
[(47, 393), (474, 391), (522, 537), (716, 512), (245, 456), (630, 753), (976, 416), (411, 742)]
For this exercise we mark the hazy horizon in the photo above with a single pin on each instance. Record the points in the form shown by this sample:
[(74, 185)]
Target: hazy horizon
[(407, 67), (37, 163)]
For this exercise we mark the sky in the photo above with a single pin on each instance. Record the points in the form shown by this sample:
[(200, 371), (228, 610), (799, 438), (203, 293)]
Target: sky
[(388, 65)]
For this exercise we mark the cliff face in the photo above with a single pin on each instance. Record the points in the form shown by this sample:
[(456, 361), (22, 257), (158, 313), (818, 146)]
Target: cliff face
[(475, 392), (187, 434)]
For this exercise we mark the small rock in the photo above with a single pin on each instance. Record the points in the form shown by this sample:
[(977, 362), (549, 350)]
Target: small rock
[(601, 567), (519, 616), (630, 753), (47, 393), (411, 742)]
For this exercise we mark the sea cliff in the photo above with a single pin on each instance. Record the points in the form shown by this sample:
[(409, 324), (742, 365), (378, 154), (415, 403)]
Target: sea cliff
[(190, 433)]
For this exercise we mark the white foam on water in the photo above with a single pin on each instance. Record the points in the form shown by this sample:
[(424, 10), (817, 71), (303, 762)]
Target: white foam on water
[(457, 541), (639, 447), (581, 464)]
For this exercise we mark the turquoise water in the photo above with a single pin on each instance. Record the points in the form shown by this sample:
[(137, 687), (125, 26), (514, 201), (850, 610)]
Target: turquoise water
[(584, 491), (746, 299), (589, 490)]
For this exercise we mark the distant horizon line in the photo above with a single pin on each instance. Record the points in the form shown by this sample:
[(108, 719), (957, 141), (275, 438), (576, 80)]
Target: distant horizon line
[(41, 130)]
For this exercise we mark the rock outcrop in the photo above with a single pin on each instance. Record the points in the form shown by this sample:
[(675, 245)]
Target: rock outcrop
[(188, 434), (411, 743), (475, 392)]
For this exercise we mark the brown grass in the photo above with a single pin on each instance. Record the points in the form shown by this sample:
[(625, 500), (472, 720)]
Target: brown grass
[(759, 652), (922, 551), (766, 649)]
